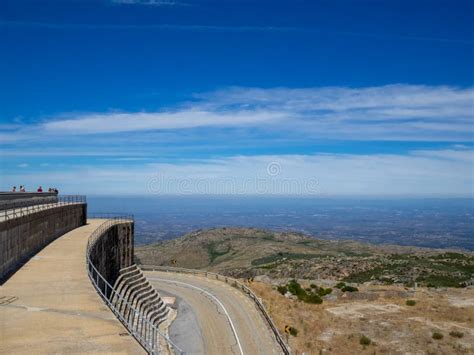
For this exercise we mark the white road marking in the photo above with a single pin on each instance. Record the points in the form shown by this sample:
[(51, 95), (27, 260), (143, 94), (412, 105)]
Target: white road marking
[(214, 298)]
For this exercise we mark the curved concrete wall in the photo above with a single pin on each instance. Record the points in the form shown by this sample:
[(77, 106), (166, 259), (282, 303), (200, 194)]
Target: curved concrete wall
[(113, 250), (22, 237), (128, 294)]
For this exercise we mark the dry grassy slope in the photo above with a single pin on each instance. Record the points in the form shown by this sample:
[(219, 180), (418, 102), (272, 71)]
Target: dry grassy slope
[(381, 314), (222, 249)]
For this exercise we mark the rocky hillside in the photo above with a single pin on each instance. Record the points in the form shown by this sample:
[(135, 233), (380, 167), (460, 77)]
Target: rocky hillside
[(246, 252)]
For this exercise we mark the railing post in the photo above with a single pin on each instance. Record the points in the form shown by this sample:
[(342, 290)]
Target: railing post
[(153, 337)]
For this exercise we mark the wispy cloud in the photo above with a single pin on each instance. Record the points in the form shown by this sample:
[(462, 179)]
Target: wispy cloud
[(464, 155), (223, 28), (393, 112), (419, 173), (125, 122)]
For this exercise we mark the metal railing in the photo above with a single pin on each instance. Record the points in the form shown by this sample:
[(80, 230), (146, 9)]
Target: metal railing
[(15, 209), (150, 337), (284, 346), (124, 218)]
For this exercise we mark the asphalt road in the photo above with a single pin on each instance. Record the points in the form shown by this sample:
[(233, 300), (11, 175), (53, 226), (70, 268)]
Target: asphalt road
[(228, 321)]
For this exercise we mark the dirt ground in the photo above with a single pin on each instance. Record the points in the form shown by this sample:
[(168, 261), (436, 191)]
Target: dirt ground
[(379, 313)]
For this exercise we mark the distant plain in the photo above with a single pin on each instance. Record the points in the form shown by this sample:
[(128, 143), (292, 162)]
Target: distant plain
[(429, 222)]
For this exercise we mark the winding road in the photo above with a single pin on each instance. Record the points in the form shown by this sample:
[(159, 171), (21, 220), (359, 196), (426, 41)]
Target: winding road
[(213, 317)]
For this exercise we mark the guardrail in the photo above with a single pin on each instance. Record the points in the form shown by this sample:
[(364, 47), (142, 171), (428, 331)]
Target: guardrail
[(150, 338), (15, 209), (111, 215), (285, 348)]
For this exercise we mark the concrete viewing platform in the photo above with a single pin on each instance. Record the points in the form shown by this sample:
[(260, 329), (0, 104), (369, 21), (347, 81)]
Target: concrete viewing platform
[(50, 306)]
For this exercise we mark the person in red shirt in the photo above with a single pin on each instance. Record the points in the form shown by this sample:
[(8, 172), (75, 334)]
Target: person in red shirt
[(40, 189)]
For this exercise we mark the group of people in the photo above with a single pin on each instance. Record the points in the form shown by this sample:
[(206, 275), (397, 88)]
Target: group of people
[(40, 189), (22, 189)]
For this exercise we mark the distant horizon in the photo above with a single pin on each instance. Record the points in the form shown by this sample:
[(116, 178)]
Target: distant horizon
[(368, 197), (429, 222), (375, 197)]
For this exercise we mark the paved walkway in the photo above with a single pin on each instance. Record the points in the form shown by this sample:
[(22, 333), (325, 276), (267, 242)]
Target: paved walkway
[(50, 305)]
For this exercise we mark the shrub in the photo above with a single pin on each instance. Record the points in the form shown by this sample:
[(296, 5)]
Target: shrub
[(456, 334), (437, 336), (293, 331), (295, 288), (321, 291), (340, 285), (364, 340), (410, 302), (282, 289), (306, 296), (312, 298), (349, 289), (324, 291)]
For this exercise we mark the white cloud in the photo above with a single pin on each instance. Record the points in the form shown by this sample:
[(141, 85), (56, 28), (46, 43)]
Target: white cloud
[(420, 173), (23, 165), (459, 155), (142, 121), (393, 112)]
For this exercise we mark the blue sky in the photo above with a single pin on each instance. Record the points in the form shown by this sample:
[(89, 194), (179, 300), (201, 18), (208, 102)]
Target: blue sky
[(340, 97)]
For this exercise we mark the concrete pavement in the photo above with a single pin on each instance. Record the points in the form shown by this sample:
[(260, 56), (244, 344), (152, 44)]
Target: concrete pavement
[(50, 305)]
